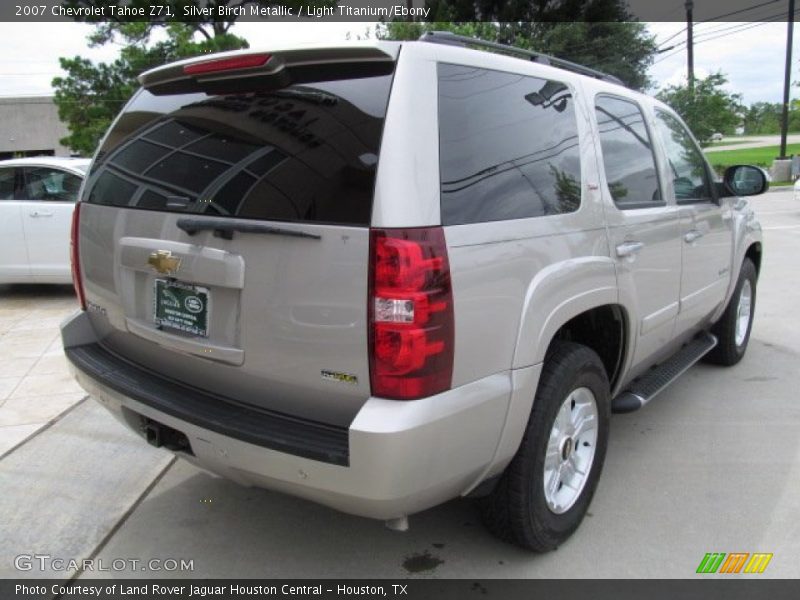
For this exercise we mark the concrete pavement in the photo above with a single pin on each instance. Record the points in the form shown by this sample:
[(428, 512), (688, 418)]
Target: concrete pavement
[(756, 141), (711, 465), (35, 386)]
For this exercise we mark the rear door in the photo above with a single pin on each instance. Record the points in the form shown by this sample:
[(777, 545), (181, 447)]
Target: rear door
[(14, 256), (225, 236), (47, 201), (642, 226)]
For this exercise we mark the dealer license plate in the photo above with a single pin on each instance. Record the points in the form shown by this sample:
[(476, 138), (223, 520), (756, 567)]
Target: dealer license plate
[(181, 306)]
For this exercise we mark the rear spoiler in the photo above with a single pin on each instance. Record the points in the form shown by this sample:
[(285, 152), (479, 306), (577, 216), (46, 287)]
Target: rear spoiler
[(249, 70)]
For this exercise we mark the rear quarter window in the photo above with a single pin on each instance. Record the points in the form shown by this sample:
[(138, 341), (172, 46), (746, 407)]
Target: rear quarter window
[(508, 146), (304, 153)]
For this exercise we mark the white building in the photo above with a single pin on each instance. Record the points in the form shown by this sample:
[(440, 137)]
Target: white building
[(29, 126)]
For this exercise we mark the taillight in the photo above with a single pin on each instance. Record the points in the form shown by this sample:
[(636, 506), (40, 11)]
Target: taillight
[(75, 256), (410, 313), (232, 63)]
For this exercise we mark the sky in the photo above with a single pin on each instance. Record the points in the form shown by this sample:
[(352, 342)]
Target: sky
[(751, 55)]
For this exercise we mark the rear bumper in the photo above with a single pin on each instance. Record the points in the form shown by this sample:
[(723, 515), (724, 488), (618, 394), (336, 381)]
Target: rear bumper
[(396, 458)]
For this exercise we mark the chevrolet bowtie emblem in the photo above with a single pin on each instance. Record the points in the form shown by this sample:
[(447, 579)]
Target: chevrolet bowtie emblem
[(163, 261)]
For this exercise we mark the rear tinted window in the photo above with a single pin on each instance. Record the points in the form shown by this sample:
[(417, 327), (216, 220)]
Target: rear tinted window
[(627, 153), (508, 146), (304, 153)]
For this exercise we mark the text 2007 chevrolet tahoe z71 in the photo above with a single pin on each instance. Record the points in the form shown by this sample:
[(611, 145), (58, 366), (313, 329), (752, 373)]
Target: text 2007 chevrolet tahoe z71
[(384, 275)]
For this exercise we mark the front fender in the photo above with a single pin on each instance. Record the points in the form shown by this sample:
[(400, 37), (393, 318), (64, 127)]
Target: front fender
[(747, 231)]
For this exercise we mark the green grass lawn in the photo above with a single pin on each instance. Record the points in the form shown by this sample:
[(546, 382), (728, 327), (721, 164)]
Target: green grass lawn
[(762, 157)]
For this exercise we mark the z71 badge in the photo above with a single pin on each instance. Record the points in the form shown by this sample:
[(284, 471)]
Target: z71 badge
[(340, 377)]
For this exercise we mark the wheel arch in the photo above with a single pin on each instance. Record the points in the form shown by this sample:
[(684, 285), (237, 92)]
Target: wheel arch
[(557, 294), (561, 299), (603, 329), (753, 252)]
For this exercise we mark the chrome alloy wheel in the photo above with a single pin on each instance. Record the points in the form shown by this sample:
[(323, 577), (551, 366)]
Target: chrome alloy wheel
[(570, 450), (743, 312)]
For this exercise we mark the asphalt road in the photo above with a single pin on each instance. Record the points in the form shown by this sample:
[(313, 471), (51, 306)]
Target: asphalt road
[(711, 465)]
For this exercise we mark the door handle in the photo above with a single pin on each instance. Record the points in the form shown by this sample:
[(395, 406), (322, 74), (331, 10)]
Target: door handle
[(35, 214), (693, 236), (627, 249)]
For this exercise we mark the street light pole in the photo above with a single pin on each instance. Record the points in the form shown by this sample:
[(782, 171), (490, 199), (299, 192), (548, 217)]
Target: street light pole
[(787, 79), (690, 44)]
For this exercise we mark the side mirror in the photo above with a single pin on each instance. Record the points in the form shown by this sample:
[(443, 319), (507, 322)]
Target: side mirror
[(745, 180)]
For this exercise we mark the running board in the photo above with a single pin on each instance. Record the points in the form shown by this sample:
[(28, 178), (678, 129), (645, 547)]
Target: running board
[(646, 387)]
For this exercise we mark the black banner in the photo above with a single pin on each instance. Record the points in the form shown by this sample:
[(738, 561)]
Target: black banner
[(456, 589), (383, 10)]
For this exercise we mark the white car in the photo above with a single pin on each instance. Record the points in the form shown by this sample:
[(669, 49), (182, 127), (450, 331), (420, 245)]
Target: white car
[(37, 197)]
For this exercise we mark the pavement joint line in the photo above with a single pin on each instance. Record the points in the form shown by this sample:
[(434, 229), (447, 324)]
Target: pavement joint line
[(45, 427), (126, 515), (21, 379)]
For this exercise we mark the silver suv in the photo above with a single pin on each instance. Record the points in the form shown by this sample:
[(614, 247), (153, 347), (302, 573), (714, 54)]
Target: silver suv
[(381, 276)]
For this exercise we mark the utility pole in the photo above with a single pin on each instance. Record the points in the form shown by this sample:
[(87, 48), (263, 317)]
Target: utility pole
[(690, 45), (787, 79)]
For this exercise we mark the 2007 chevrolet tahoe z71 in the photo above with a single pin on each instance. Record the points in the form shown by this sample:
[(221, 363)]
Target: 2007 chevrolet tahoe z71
[(380, 276)]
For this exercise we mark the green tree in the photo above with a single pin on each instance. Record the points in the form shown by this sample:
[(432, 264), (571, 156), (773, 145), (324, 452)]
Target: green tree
[(709, 109), (794, 115), (597, 33), (90, 95), (762, 117)]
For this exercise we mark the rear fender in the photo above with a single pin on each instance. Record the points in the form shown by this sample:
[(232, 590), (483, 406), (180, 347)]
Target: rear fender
[(558, 293)]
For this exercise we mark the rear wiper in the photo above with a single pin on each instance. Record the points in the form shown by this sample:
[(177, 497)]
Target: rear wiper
[(225, 229)]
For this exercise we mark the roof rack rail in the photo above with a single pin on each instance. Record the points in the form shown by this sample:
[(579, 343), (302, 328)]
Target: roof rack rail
[(452, 39)]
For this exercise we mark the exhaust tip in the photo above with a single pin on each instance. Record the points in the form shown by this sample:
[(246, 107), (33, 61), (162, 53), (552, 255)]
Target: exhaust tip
[(398, 524)]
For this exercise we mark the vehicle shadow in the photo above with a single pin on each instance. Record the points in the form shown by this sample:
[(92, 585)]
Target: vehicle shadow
[(35, 291), (232, 531), (698, 435)]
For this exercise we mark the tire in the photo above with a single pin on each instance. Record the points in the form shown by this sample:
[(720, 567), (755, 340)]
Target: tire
[(518, 511), (731, 338)]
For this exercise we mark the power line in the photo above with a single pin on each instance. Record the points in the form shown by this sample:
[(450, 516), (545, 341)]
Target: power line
[(736, 29), (681, 47), (729, 14), (710, 35), (772, 19), (674, 35), (741, 10)]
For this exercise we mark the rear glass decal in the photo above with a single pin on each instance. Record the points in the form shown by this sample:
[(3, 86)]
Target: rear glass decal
[(306, 153)]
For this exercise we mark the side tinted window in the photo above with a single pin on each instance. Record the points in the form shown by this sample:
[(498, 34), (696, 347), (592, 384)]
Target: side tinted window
[(508, 146), (686, 164), (7, 184), (627, 153), (45, 183), (305, 153)]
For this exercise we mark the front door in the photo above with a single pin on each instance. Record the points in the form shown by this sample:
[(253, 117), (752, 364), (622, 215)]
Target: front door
[(706, 226)]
